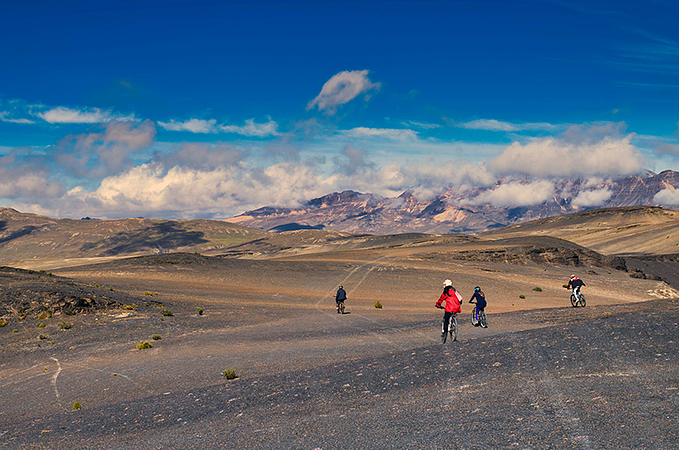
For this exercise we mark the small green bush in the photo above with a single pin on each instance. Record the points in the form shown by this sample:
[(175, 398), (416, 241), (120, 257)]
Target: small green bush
[(537, 289), (69, 312), (44, 315), (142, 345), (65, 325), (522, 296), (42, 337), (200, 310), (156, 337), (129, 307), (49, 273), (15, 331), (167, 313), (76, 406), (378, 305), (230, 374), (41, 325), (96, 284), (42, 271), (3, 323)]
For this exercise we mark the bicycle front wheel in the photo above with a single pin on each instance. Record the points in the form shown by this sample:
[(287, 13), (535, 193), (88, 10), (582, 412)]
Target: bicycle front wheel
[(482, 319), (582, 300), (574, 301), (474, 321)]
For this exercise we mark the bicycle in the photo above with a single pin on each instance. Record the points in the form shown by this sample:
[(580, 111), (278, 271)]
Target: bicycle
[(481, 320), (340, 307), (578, 299), (452, 329)]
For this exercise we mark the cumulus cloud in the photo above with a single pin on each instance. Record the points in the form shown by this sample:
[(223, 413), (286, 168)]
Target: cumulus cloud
[(341, 89), (353, 161), (496, 125), (589, 133), (94, 155), (667, 197), (253, 129), (192, 125), (558, 158), (517, 193), (22, 179), (387, 133), (592, 198), (184, 192), (62, 114)]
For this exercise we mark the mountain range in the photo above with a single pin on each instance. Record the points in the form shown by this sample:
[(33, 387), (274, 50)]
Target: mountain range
[(461, 209)]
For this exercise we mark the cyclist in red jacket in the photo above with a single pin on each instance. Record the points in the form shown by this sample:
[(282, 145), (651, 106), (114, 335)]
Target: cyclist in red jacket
[(449, 300)]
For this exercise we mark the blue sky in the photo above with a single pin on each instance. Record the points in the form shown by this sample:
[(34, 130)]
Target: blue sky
[(137, 108)]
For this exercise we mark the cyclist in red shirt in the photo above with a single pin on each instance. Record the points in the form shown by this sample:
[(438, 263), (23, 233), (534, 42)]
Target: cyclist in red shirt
[(450, 301)]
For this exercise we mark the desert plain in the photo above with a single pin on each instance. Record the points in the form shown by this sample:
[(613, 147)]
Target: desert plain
[(542, 375)]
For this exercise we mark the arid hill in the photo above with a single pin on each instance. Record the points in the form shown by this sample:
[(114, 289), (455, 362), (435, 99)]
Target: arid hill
[(613, 231), (30, 236)]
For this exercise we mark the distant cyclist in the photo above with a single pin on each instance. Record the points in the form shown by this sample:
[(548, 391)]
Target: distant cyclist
[(450, 301), (340, 297), (575, 283), (480, 298)]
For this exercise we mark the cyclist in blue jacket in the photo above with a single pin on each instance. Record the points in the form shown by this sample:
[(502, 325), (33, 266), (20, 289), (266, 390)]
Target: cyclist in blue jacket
[(480, 298)]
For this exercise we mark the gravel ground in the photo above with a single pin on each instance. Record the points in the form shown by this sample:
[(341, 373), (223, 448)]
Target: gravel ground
[(609, 380)]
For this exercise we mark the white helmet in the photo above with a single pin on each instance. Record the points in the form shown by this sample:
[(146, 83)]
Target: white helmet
[(447, 283)]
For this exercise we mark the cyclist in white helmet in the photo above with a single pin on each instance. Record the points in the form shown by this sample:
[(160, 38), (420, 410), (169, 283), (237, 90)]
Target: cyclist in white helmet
[(450, 301)]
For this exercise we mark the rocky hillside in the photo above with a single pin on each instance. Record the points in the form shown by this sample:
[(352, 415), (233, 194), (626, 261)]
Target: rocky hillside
[(458, 210), (30, 236)]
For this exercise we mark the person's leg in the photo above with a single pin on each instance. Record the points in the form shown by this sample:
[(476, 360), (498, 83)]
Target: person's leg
[(446, 319)]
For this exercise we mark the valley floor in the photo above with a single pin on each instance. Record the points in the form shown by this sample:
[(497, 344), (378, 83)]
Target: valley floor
[(543, 375)]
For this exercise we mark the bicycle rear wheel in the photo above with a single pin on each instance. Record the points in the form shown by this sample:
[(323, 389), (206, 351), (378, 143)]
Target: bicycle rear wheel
[(444, 333), (342, 308), (453, 328)]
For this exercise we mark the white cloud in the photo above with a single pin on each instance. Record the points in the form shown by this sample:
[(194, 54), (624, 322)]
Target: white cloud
[(62, 114), (667, 197), (251, 128), (387, 133), (517, 194), (29, 185), (98, 154), (192, 125), (496, 125), (5, 117), (201, 156), (425, 126), (557, 158), (592, 198), (341, 89), (223, 192)]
